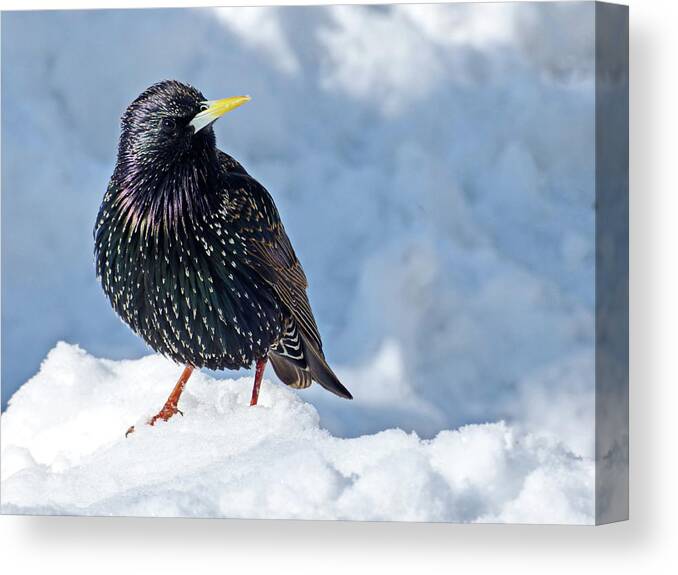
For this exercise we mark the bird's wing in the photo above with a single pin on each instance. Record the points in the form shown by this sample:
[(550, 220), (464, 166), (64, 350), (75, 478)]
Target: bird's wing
[(269, 252)]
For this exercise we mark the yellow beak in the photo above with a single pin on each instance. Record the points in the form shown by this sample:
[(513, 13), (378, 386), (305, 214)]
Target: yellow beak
[(214, 109)]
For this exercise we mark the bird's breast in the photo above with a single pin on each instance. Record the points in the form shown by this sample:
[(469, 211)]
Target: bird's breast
[(187, 288)]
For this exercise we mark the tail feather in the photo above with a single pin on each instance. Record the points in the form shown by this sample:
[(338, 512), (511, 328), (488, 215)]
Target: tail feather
[(297, 362), (289, 373), (321, 372)]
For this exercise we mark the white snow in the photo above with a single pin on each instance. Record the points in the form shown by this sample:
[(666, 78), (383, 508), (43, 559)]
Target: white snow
[(64, 452)]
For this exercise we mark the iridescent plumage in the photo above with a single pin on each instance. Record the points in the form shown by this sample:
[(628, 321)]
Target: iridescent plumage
[(191, 252)]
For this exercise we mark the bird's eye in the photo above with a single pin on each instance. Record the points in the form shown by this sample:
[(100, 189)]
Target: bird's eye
[(203, 107), (168, 124)]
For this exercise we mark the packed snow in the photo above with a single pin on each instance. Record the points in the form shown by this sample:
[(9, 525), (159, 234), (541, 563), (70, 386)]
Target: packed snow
[(64, 452)]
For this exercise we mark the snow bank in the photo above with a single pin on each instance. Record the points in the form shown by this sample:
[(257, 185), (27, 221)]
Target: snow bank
[(64, 452)]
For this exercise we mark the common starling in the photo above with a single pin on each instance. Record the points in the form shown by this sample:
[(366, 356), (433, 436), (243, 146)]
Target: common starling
[(192, 255)]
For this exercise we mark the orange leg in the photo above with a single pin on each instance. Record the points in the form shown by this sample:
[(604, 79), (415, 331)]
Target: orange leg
[(258, 374), (170, 407)]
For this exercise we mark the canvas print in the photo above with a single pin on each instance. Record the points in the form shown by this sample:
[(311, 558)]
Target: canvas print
[(332, 262)]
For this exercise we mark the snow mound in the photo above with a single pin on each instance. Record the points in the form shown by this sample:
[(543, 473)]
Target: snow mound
[(64, 452)]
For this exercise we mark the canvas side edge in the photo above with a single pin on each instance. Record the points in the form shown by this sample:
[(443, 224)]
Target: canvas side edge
[(612, 263)]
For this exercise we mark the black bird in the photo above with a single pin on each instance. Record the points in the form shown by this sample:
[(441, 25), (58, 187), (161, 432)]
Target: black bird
[(191, 252)]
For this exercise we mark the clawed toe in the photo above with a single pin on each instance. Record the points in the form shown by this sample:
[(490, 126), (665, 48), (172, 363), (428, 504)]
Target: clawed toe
[(164, 414)]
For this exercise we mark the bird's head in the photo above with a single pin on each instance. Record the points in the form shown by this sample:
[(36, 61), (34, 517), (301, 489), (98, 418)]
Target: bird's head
[(170, 121)]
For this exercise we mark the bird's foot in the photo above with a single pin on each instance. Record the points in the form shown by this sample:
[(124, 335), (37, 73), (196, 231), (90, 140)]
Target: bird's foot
[(165, 413), (170, 408)]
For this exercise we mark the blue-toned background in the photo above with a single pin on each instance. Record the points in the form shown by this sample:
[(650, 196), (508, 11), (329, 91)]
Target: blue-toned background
[(434, 167)]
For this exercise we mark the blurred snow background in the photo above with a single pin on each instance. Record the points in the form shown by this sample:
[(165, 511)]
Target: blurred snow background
[(433, 165)]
